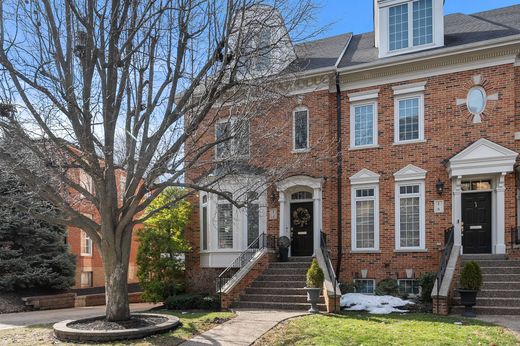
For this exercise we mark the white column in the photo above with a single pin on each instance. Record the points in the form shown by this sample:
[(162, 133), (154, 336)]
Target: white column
[(283, 214), (316, 226), (457, 210), (500, 247)]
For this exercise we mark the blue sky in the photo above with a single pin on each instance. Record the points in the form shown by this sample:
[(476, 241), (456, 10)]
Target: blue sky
[(356, 15)]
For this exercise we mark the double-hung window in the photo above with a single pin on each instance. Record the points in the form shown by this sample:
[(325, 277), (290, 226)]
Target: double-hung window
[(301, 129), (232, 139), (409, 113), (86, 244), (363, 125), (365, 218), (224, 223), (410, 25), (253, 218), (410, 216)]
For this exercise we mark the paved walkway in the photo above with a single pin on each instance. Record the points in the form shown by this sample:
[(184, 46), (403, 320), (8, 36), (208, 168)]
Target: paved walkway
[(23, 319), (244, 329), (511, 322)]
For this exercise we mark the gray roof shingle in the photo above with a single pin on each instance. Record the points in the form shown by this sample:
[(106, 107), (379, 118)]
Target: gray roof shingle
[(459, 29)]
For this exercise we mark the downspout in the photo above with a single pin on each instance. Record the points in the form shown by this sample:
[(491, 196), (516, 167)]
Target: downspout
[(339, 174)]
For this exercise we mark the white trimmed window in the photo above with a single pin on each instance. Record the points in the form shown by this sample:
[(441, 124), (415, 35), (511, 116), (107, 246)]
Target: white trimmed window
[(301, 129), (253, 217), (86, 244), (409, 118), (363, 125), (410, 24), (365, 218), (232, 136), (365, 210), (224, 223), (366, 286), (86, 182), (408, 287), (410, 220), (86, 279)]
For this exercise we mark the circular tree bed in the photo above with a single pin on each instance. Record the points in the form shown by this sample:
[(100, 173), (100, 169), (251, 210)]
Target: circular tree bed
[(98, 329)]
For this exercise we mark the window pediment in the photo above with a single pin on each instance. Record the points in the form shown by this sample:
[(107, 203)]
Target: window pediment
[(364, 176), (410, 172)]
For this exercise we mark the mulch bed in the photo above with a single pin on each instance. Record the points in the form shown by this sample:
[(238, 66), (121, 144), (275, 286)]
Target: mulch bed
[(136, 321), (11, 302)]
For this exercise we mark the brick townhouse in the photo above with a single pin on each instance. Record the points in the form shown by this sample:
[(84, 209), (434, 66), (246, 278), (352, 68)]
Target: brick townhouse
[(428, 112), (89, 264)]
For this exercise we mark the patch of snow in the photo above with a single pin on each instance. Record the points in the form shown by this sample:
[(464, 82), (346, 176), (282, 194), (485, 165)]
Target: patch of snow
[(380, 305)]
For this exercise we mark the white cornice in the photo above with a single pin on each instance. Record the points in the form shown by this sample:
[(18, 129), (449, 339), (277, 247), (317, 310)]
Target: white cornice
[(409, 88)]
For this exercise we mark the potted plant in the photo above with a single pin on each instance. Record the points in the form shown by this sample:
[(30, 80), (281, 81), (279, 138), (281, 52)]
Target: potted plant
[(470, 282), (314, 287)]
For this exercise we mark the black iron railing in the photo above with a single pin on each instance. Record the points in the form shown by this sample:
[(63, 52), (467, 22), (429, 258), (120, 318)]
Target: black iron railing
[(515, 237), (328, 263), (449, 238), (263, 241)]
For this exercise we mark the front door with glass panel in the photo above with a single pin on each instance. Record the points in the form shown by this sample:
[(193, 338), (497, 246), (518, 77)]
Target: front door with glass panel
[(476, 215), (302, 229)]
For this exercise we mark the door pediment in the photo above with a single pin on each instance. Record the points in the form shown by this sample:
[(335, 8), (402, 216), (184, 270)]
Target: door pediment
[(482, 157)]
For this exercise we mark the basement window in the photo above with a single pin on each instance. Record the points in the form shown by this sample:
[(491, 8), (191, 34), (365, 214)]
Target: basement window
[(365, 286)]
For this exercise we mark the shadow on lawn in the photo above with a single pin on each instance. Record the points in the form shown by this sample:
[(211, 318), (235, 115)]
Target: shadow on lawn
[(399, 317)]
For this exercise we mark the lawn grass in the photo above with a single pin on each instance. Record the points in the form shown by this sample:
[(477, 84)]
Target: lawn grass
[(193, 323), (396, 329)]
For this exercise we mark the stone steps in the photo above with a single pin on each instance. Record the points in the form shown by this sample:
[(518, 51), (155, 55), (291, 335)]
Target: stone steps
[(488, 310), (500, 270), (277, 306), (501, 285), (281, 286), (500, 277)]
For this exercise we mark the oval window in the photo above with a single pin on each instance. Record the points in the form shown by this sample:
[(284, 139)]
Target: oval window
[(476, 100)]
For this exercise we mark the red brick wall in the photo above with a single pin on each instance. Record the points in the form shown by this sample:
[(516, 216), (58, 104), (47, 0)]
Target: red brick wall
[(448, 130)]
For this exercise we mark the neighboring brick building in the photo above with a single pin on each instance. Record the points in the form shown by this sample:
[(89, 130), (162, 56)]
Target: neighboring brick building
[(89, 265), (430, 130)]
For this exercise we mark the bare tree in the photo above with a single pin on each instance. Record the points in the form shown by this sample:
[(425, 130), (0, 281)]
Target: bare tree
[(104, 86)]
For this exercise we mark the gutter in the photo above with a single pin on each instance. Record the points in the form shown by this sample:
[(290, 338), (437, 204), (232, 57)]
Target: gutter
[(339, 174), (427, 54)]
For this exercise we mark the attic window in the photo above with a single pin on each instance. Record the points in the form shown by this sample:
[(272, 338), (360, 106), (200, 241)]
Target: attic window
[(410, 24)]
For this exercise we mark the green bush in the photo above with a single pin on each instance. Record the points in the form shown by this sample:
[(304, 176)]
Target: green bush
[(470, 276), (315, 276), (427, 281), (190, 301), (387, 287)]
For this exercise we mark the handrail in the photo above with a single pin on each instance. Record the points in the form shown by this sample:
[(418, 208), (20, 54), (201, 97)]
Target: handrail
[(449, 238), (328, 264), (515, 237), (263, 241)]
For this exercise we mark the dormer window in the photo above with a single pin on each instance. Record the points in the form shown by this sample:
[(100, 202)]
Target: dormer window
[(407, 26)]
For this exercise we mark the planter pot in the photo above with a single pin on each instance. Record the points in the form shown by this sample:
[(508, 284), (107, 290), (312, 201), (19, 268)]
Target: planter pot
[(313, 297), (468, 298)]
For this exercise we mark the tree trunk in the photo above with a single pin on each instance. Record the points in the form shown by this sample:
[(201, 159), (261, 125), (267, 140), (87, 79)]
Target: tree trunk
[(116, 288), (116, 260)]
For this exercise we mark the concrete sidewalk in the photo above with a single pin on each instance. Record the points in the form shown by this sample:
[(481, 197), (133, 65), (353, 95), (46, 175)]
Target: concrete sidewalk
[(244, 329), (511, 322), (24, 319)]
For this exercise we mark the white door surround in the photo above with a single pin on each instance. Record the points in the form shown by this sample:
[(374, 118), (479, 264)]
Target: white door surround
[(482, 160), (300, 183)]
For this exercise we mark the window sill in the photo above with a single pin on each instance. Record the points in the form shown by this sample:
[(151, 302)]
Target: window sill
[(300, 151), (410, 142), (86, 255), (411, 250), (364, 251), (376, 146)]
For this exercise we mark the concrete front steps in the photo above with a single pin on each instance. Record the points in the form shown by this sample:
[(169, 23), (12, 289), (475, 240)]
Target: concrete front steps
[(500, 292), (280, 287)]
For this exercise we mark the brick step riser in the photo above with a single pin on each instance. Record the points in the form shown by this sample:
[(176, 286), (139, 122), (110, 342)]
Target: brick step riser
[(501, 285), (274, 299), (491, 310), (278, 284), (496, 263), (289, 265), (500, 270), (495, 294), (274, 306), (276, 291), (264, 277), (291, 271)]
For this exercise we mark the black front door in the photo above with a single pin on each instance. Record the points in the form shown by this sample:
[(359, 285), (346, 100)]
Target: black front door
[(476, 215), (301, 229)]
